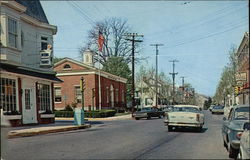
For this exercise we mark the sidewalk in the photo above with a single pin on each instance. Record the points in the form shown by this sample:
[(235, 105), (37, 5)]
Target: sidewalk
[(61, 125), (100, 119)]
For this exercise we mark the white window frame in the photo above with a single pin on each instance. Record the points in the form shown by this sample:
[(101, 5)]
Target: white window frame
[(14, 105), (44, 100), (55, 94), (13, 32)]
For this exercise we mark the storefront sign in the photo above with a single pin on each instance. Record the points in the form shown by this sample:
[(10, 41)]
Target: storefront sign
[(242, 76)]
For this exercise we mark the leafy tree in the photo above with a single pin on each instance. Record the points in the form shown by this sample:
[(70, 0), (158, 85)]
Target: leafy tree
[(57, 59), (118, 66), (227, 80)]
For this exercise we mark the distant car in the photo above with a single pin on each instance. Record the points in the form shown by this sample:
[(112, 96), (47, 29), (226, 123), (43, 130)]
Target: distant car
[(210, 108), (244, 151), (167, 108), (217, 110), (184, 116), (232, 128), (148, 112)]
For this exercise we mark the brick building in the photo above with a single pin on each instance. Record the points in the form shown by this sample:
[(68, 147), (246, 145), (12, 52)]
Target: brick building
[(113, 88), (243, 73)]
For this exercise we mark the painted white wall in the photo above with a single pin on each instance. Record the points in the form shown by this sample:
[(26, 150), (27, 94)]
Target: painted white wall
[(29, 32)]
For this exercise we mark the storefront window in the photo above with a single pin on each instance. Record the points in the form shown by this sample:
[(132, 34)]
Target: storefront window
[(44, 96), (8, 94)]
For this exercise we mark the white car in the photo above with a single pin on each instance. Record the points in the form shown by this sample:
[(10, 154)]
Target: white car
[(244, 151), (184, 116)]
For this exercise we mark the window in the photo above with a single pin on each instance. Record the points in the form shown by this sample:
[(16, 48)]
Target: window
[(58, 94), (78, 94), (123, 95), (107, 94), (116, 95), (12, 32), (44, 96), (66, 66), (8, 94), (27, 98), (44, 43)]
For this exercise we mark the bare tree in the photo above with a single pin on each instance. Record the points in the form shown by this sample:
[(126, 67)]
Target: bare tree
[(113, 30)]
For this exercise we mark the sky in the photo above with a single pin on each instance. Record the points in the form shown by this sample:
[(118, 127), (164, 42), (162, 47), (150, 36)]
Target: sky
[(199, 34)]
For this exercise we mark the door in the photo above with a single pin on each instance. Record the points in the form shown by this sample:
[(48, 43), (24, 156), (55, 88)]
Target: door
[(29, 107)]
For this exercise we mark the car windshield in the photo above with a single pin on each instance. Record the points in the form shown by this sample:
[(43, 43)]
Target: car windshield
[(145, 109), (242, 113), (218, 107), (185, 109)]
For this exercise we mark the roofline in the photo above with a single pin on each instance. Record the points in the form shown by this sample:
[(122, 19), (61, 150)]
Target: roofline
[(15, 5), (245, 36), (89, 67)]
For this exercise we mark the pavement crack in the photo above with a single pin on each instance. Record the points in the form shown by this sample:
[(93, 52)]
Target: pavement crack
[(152, 148)]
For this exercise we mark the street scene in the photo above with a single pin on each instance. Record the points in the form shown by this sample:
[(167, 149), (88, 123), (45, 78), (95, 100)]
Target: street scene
[(124, 80)]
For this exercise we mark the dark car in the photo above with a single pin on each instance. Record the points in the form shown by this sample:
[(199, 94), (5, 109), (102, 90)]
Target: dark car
[(233, 127), (148, 112)]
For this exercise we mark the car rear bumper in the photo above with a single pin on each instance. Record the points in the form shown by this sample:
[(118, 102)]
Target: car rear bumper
[(235, 144), (181, 124)]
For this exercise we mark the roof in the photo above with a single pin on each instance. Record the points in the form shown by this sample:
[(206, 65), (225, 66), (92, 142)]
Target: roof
[(88, 68), (34, 9), (23, 71)]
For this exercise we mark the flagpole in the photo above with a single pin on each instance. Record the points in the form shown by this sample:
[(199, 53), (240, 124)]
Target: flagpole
[(99, 82)]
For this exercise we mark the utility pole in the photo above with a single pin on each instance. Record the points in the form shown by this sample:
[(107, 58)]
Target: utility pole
[(156, 74), (133, 40), (183, 89), (173, 76)]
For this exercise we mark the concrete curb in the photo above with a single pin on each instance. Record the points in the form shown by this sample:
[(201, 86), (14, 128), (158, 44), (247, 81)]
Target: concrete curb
[(40, 131)]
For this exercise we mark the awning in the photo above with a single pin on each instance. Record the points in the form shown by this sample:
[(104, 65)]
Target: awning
[(22, 71)]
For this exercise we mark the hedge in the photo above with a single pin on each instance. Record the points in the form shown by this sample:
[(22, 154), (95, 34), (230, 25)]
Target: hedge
[(94, 114)]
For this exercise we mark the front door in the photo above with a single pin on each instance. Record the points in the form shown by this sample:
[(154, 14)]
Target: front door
[(29, 110)]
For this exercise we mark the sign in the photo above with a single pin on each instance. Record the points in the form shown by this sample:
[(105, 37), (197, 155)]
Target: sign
[(242, 76)]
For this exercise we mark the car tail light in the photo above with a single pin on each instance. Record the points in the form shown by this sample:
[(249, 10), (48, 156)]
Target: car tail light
[(166, 116), (197, 117), (238, 135)]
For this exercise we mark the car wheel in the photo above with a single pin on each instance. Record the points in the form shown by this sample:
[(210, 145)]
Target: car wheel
[(233, 153), (159, 116), (137, 118), (212, 112), (149, 117), (225, 144), (170, 128)]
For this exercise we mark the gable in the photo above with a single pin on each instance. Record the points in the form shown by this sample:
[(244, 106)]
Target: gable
[(68, 66)]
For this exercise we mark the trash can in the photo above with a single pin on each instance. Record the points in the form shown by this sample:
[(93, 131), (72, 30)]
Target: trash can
[(5, 124), (78, 116)]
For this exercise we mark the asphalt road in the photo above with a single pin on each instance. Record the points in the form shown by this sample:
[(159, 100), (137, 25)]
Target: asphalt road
[(125, 139)]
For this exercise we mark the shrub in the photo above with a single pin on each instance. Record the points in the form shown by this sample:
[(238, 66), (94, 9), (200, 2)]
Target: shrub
[(93, 114), (68, 108)]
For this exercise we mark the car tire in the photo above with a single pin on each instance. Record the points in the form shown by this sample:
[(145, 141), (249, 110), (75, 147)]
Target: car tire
[(149, 117), (233, 153), (225, 144), (137, 118), (212, 112), (160, 117), (170, 128)]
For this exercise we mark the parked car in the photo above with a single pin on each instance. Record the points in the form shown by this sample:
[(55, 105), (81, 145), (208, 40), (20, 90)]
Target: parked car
[(244, 151), (232, 128), (148, 112), (217, 110), (184, 116)]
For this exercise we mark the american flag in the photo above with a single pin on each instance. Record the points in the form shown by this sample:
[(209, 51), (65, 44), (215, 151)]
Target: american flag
[(100, 41)]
